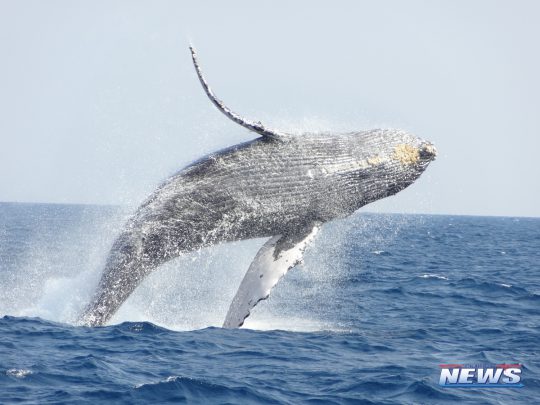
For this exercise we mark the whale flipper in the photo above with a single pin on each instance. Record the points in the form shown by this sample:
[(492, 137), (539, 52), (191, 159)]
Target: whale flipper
[(277, 256), (257, 127)]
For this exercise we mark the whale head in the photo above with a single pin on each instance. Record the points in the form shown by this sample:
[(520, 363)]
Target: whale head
[(362, 167), (389, 160)]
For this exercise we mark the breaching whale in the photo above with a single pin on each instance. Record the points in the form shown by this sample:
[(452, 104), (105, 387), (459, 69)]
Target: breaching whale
[(278, 186)]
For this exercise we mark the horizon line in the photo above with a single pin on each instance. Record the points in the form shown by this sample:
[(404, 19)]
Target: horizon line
[(362, 212)]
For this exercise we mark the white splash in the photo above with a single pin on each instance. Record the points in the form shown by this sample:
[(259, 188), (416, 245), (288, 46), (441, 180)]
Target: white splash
[(59, 273), (166, 380), (437, 276), (18, 373)]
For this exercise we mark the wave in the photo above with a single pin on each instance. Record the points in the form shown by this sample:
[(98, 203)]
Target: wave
[(189, 389)]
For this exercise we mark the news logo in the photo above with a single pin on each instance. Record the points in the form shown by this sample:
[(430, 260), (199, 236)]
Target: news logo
[(480, 376)]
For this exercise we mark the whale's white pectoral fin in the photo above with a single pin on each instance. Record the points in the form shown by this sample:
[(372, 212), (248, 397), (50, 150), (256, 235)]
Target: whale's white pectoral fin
[(277, 256), (257, 127)]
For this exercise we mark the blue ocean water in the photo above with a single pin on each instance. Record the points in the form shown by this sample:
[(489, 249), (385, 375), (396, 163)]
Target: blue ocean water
[(379, 303)]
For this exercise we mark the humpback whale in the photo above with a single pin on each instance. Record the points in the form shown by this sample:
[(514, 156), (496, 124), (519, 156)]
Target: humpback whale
[(278, 186)]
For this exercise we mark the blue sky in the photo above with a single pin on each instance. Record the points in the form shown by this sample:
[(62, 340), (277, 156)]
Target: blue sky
[(100, 102)]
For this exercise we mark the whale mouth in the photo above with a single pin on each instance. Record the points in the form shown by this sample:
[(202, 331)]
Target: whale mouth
[(427, 152)]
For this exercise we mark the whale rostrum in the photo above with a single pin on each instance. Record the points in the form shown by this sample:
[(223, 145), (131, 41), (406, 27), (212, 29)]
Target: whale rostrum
[(276, 186)]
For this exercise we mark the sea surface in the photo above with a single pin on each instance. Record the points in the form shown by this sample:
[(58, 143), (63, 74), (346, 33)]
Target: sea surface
[(379, 303)]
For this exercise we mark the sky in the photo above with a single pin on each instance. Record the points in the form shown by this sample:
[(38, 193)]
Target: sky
[(99, 101)]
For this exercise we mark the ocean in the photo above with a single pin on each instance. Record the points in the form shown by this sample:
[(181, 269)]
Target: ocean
[(379, 303)]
